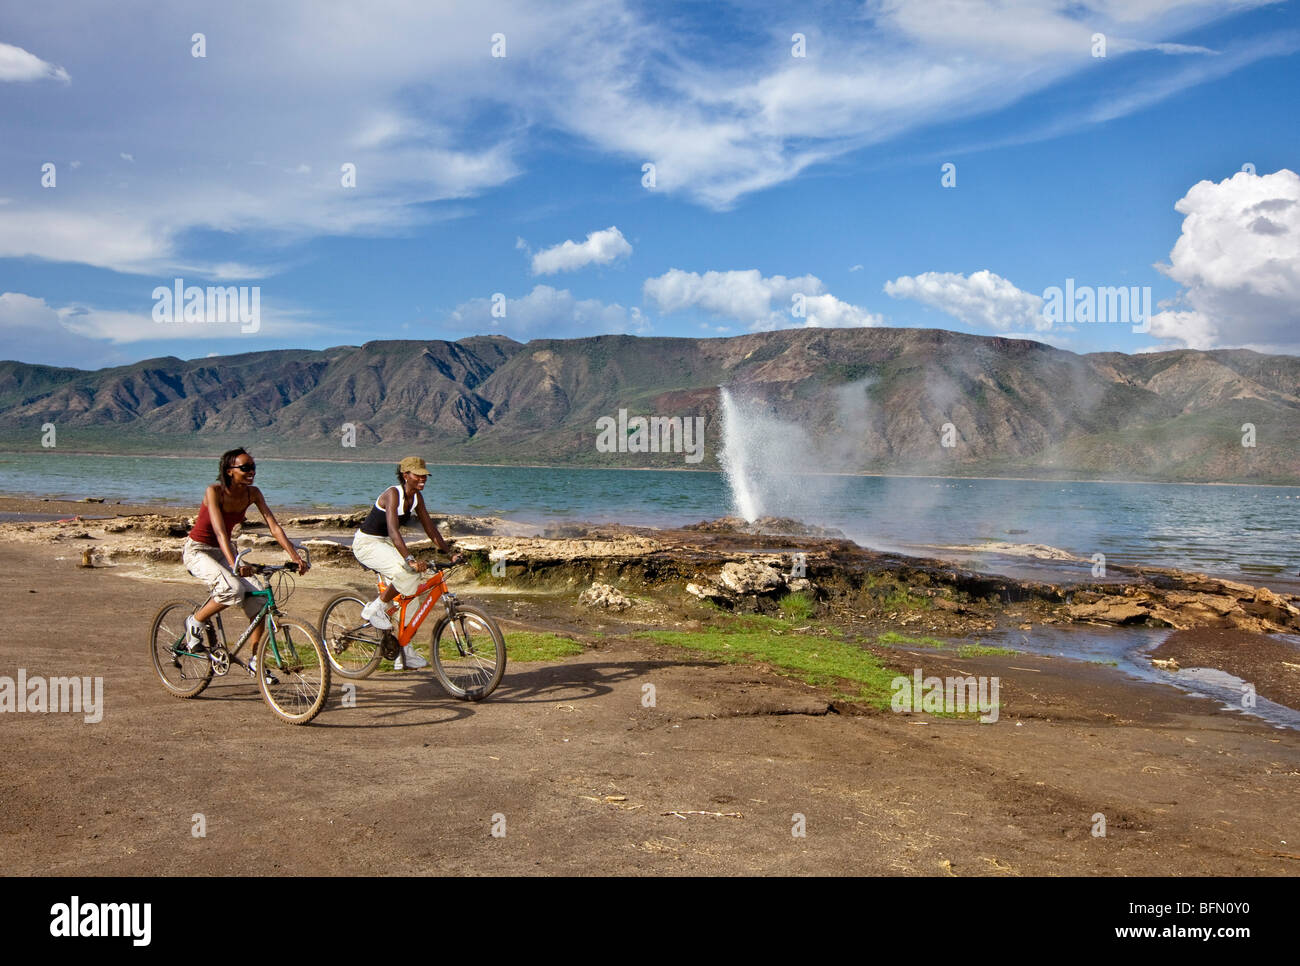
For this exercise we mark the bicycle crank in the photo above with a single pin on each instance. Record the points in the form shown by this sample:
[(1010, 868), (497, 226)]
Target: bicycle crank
[(220, 658), (388, 647)]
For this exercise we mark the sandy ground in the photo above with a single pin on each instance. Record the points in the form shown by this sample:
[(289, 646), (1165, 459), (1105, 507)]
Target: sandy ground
[(579, 774)]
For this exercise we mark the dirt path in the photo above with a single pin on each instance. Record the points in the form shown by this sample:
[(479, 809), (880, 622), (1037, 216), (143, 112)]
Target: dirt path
[(409, 781)]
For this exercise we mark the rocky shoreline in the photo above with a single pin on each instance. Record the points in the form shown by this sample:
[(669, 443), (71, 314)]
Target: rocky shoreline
[(644, 577)]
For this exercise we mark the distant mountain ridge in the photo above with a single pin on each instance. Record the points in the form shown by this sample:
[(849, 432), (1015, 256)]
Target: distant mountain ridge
[(870, 400)]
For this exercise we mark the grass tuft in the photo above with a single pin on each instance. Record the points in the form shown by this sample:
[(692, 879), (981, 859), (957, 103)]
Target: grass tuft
[(819, 661), (893, 638), (796, 607), (524, 646)]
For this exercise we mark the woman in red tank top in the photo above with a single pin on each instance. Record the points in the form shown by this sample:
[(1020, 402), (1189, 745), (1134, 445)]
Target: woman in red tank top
[(224, 505)]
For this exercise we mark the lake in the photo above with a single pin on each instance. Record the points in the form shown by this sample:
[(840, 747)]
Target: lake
[(1248, 533)]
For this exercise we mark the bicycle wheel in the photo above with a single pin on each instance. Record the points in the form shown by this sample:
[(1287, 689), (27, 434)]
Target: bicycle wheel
[(469, 653), (183, 674), (299, 668), (351, 644)]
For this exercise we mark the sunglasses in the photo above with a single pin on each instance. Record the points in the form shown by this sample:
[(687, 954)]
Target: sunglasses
[(244, 467)]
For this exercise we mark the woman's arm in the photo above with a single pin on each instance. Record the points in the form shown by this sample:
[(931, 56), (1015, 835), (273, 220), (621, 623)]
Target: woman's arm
[(277, 531), (212, 498)]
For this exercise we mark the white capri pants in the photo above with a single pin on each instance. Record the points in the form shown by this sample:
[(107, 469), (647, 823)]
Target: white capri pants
[(209, 565), (378, 553)]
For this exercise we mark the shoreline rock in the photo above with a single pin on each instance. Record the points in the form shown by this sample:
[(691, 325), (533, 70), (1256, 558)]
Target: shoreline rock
[(734, 570)]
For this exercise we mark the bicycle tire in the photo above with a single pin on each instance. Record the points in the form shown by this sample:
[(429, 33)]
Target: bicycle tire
[(351, 644), (182, 675), (301, 671), (474, 675)]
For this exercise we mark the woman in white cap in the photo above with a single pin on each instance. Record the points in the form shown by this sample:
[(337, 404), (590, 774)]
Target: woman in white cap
[(378, 544)]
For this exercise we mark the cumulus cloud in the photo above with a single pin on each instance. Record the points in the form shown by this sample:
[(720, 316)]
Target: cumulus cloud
[(81, 335), (32, 331), (600, 248), (982, 300), (547, 312), (760, 302), (1238, 260), (17, 64)]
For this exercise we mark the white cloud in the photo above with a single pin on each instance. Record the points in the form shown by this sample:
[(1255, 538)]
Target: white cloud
[(312, 93), (1023, 30), (113, 240), (751, 299), (982, 300), (110, 239), (550, 313), (17, 64), (288, 98), (33, 330), (80, 335), (1238, 260), (600, 248)]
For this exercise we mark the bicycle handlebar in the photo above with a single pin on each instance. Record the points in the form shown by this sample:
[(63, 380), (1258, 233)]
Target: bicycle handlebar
[(273, 568)]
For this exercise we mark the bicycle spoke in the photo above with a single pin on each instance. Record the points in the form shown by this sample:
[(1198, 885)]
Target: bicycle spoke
[(351, 643), (182, 672), (300, 670), (469, 658)]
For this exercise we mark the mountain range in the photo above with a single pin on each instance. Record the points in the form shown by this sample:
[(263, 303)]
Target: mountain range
[(879, 400)]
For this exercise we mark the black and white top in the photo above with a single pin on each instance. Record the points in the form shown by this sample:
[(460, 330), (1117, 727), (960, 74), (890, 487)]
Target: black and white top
[(376, 521)]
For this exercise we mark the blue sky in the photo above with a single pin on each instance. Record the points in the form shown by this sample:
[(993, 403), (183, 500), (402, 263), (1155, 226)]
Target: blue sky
[(780, 180)]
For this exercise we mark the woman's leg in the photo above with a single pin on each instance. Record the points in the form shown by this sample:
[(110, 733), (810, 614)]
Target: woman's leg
[(204, 563), (210, 609), (379, 554)]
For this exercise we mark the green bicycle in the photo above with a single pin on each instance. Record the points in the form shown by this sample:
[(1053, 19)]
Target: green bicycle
[(294, 671)]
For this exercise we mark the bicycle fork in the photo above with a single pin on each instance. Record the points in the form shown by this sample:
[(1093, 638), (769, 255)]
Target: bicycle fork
[(453, 619)]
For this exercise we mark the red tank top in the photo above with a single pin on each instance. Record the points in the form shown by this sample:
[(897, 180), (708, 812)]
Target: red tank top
[(202, 530)]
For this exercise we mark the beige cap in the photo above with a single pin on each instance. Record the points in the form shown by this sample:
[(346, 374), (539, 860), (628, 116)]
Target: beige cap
[(413, 464)]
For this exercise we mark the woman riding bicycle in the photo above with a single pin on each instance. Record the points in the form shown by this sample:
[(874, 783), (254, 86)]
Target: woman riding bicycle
[(224, 505), (378, 545)]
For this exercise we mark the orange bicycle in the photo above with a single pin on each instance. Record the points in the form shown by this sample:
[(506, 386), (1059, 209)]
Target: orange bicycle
[(468, 648)]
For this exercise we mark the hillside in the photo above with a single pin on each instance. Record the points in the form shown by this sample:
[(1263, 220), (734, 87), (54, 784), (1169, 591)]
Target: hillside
[(867, 400)]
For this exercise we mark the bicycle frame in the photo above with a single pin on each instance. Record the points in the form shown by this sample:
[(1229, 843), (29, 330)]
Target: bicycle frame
[(436, 588), (267, 614)]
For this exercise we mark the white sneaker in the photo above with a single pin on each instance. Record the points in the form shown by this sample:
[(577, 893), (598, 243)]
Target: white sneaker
[(374, 614), (252, 671), (409, 659), (193, 635)]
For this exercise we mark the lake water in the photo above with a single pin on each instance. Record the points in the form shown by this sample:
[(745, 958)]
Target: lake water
[(1248, 533)]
